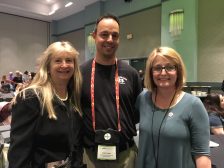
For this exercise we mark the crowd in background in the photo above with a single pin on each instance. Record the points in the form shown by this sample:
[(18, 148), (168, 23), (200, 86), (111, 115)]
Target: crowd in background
[(15, 81), (171, 120), (10, 85), (214, 102)]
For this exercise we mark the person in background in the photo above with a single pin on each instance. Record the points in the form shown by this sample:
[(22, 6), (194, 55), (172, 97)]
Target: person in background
[(10, 76), (5, 113), (221, 101), (141, 74), (25, 76), (214, 106), (109, 92), (222, 86), (32, 74), (6, 85), (17, 78), (174, 126), (46, 116)]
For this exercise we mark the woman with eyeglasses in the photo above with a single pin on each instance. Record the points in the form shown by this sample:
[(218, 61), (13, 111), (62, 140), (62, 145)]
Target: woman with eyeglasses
[(174, 125)]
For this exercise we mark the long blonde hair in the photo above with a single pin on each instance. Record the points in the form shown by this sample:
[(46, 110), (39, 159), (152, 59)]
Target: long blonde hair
[(42, 84)]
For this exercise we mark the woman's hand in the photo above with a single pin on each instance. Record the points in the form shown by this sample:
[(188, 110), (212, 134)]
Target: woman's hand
[(203, 162)]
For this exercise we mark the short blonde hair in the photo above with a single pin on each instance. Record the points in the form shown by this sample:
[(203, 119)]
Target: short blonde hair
[(172, 56)]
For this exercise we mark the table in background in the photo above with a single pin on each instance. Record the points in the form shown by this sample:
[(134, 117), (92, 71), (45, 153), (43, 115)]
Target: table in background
[(6, 96), (217, 153)]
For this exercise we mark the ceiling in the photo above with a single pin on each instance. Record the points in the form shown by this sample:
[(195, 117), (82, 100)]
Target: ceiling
[(42, 9)]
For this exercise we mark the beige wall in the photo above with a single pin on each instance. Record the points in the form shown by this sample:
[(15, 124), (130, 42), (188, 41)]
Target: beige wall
[(145, 26), (210, 40), (21, 41), (77, 38)]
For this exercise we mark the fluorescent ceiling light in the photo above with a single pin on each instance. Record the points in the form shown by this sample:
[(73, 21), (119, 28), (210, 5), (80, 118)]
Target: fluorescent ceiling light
[(52, 12), (54, 8), (68, 4)]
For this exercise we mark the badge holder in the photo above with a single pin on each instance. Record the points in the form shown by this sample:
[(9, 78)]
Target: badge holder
[(107, 144)]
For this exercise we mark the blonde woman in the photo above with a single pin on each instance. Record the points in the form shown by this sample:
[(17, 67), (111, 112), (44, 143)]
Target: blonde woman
[(46, 116), (174, 126)]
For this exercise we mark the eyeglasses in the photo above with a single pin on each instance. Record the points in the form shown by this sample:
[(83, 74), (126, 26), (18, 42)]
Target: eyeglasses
[(168, 68)]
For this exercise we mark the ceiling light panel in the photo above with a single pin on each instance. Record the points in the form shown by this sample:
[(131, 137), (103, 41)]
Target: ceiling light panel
[(68, 4)]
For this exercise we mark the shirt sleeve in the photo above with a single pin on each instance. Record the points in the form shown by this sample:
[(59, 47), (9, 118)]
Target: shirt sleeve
[(199, 129), (215, 121), (25, 114), (77, 153), (137, 91)]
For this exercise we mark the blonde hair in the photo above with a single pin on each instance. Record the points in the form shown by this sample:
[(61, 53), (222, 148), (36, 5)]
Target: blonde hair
[(172, 56), (42, 83)]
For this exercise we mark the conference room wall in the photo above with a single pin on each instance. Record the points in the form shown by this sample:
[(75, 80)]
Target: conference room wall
[(204, 61), (145, 29), (210, 40), (21, 41), (145, 36), (77, 38), (200, 43)]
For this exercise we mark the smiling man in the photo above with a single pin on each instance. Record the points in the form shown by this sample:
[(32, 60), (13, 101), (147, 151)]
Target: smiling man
[(109, 92)]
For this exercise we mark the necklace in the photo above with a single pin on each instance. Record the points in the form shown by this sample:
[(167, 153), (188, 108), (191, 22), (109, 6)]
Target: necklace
[(62, 99)]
